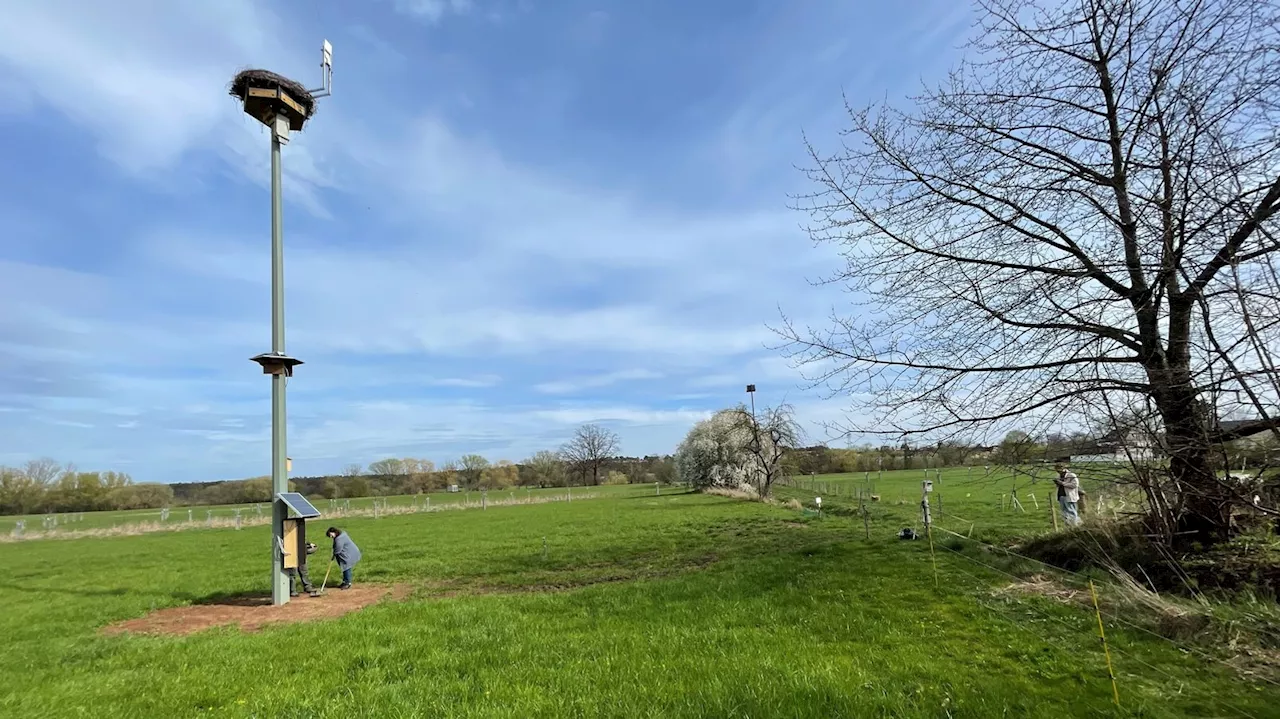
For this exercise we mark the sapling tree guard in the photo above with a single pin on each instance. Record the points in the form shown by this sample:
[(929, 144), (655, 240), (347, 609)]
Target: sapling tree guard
[(1081, 214)]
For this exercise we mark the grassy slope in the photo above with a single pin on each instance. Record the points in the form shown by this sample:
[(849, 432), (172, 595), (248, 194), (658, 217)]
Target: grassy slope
[(792, 618)]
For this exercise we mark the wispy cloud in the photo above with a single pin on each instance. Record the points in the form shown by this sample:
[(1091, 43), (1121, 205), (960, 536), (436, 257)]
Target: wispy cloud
[(433, 11), (579, 384)]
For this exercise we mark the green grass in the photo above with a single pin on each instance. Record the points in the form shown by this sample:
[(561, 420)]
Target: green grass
[(73, 522), (969, 499), (645, 606)]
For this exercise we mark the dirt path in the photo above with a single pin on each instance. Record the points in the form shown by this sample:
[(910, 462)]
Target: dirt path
[(251, 613)]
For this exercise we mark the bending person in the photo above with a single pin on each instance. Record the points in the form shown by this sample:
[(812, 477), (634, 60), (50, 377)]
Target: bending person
[(345, 553)]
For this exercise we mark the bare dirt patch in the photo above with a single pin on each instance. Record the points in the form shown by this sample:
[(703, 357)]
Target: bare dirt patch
[(253, 612)]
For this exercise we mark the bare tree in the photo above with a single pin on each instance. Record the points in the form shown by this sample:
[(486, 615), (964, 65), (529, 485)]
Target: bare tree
[(589, 448), (769, 433), (1085, 211), (352, 470), (42, 472), (472, 467)]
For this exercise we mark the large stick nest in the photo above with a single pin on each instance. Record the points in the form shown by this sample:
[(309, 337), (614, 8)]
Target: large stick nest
[(266, 79)]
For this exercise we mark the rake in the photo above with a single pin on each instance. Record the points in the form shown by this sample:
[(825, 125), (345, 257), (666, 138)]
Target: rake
[(320, 591)]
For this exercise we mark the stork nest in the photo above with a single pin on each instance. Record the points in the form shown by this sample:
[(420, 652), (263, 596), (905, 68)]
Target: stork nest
[(266, 79)]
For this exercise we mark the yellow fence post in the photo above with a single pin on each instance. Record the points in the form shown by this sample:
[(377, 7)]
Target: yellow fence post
[(1102, 635)]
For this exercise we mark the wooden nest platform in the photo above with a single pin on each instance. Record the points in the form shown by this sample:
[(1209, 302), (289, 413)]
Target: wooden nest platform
[(266, 94)]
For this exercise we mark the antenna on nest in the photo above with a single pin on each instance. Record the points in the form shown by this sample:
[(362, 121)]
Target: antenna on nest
[(326, 69)]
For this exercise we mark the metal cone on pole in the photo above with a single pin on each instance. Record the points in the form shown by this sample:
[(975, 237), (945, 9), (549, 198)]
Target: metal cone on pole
[(283, 106)]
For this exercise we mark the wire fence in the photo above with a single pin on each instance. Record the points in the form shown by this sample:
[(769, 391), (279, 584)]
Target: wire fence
[(105, 524), (860, 499)]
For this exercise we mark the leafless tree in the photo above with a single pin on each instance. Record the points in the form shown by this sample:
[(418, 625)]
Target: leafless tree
[(1084, 209), (769, 433), (472, 467), (352, 470), (589, 448), (44, 471)]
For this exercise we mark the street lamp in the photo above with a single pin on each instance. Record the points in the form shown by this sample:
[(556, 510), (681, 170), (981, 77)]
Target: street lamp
[(284, 106)]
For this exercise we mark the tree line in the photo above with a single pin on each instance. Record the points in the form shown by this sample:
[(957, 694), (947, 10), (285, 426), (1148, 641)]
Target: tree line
[(590, 457)]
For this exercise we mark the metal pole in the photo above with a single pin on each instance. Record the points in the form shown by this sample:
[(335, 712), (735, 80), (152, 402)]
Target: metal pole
[(279, 476)]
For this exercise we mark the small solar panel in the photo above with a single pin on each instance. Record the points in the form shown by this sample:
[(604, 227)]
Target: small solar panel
[(299, 504)]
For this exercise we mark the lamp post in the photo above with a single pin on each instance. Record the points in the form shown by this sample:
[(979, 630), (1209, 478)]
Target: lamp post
[(284, 106)]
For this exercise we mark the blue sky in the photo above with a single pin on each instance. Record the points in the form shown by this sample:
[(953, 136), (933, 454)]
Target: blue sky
[(512, 217)]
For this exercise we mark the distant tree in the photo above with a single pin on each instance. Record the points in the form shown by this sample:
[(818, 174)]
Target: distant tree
[(1016, 448), (352, 470), (140, 496), (546, 469), (331, 489), (388, 467), (42, 472), (357, 487), (589, 448), (714, 453), (471, 468), (19, 492), (663, 469)]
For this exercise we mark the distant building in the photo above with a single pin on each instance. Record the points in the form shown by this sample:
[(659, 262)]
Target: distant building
[(1116, 446), (1249, 439)]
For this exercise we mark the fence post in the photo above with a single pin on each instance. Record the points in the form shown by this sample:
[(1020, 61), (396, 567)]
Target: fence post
[(1102, 635), (484, 499), (1053, 514), (208, 517)]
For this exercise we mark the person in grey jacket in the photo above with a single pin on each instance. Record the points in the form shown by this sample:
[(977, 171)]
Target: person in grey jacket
[(345, 553)]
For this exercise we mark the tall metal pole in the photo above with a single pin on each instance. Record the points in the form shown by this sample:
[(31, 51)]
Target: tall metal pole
[(279, 474)]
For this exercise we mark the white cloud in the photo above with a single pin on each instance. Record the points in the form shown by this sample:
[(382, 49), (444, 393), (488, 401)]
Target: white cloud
[(481, 381), (578, 384), (432, 11), (147, 79), (463, 259), (573, 416)]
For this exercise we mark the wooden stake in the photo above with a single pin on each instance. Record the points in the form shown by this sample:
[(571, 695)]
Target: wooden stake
[(1053, 514)]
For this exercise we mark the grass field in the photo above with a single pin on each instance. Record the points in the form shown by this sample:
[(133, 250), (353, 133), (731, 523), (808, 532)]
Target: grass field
[(678, 605), (199, 514)]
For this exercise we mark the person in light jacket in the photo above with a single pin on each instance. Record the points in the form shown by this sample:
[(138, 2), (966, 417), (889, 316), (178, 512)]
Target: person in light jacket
[(345, 553), (1068, 494)]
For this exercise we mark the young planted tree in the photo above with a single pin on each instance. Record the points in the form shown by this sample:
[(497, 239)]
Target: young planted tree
[(1084, 213), (589, 448)]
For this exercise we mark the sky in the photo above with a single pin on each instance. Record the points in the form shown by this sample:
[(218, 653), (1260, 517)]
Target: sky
[(512, 217)]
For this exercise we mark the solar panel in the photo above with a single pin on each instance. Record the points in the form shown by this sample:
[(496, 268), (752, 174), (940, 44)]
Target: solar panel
[(299, 504)]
